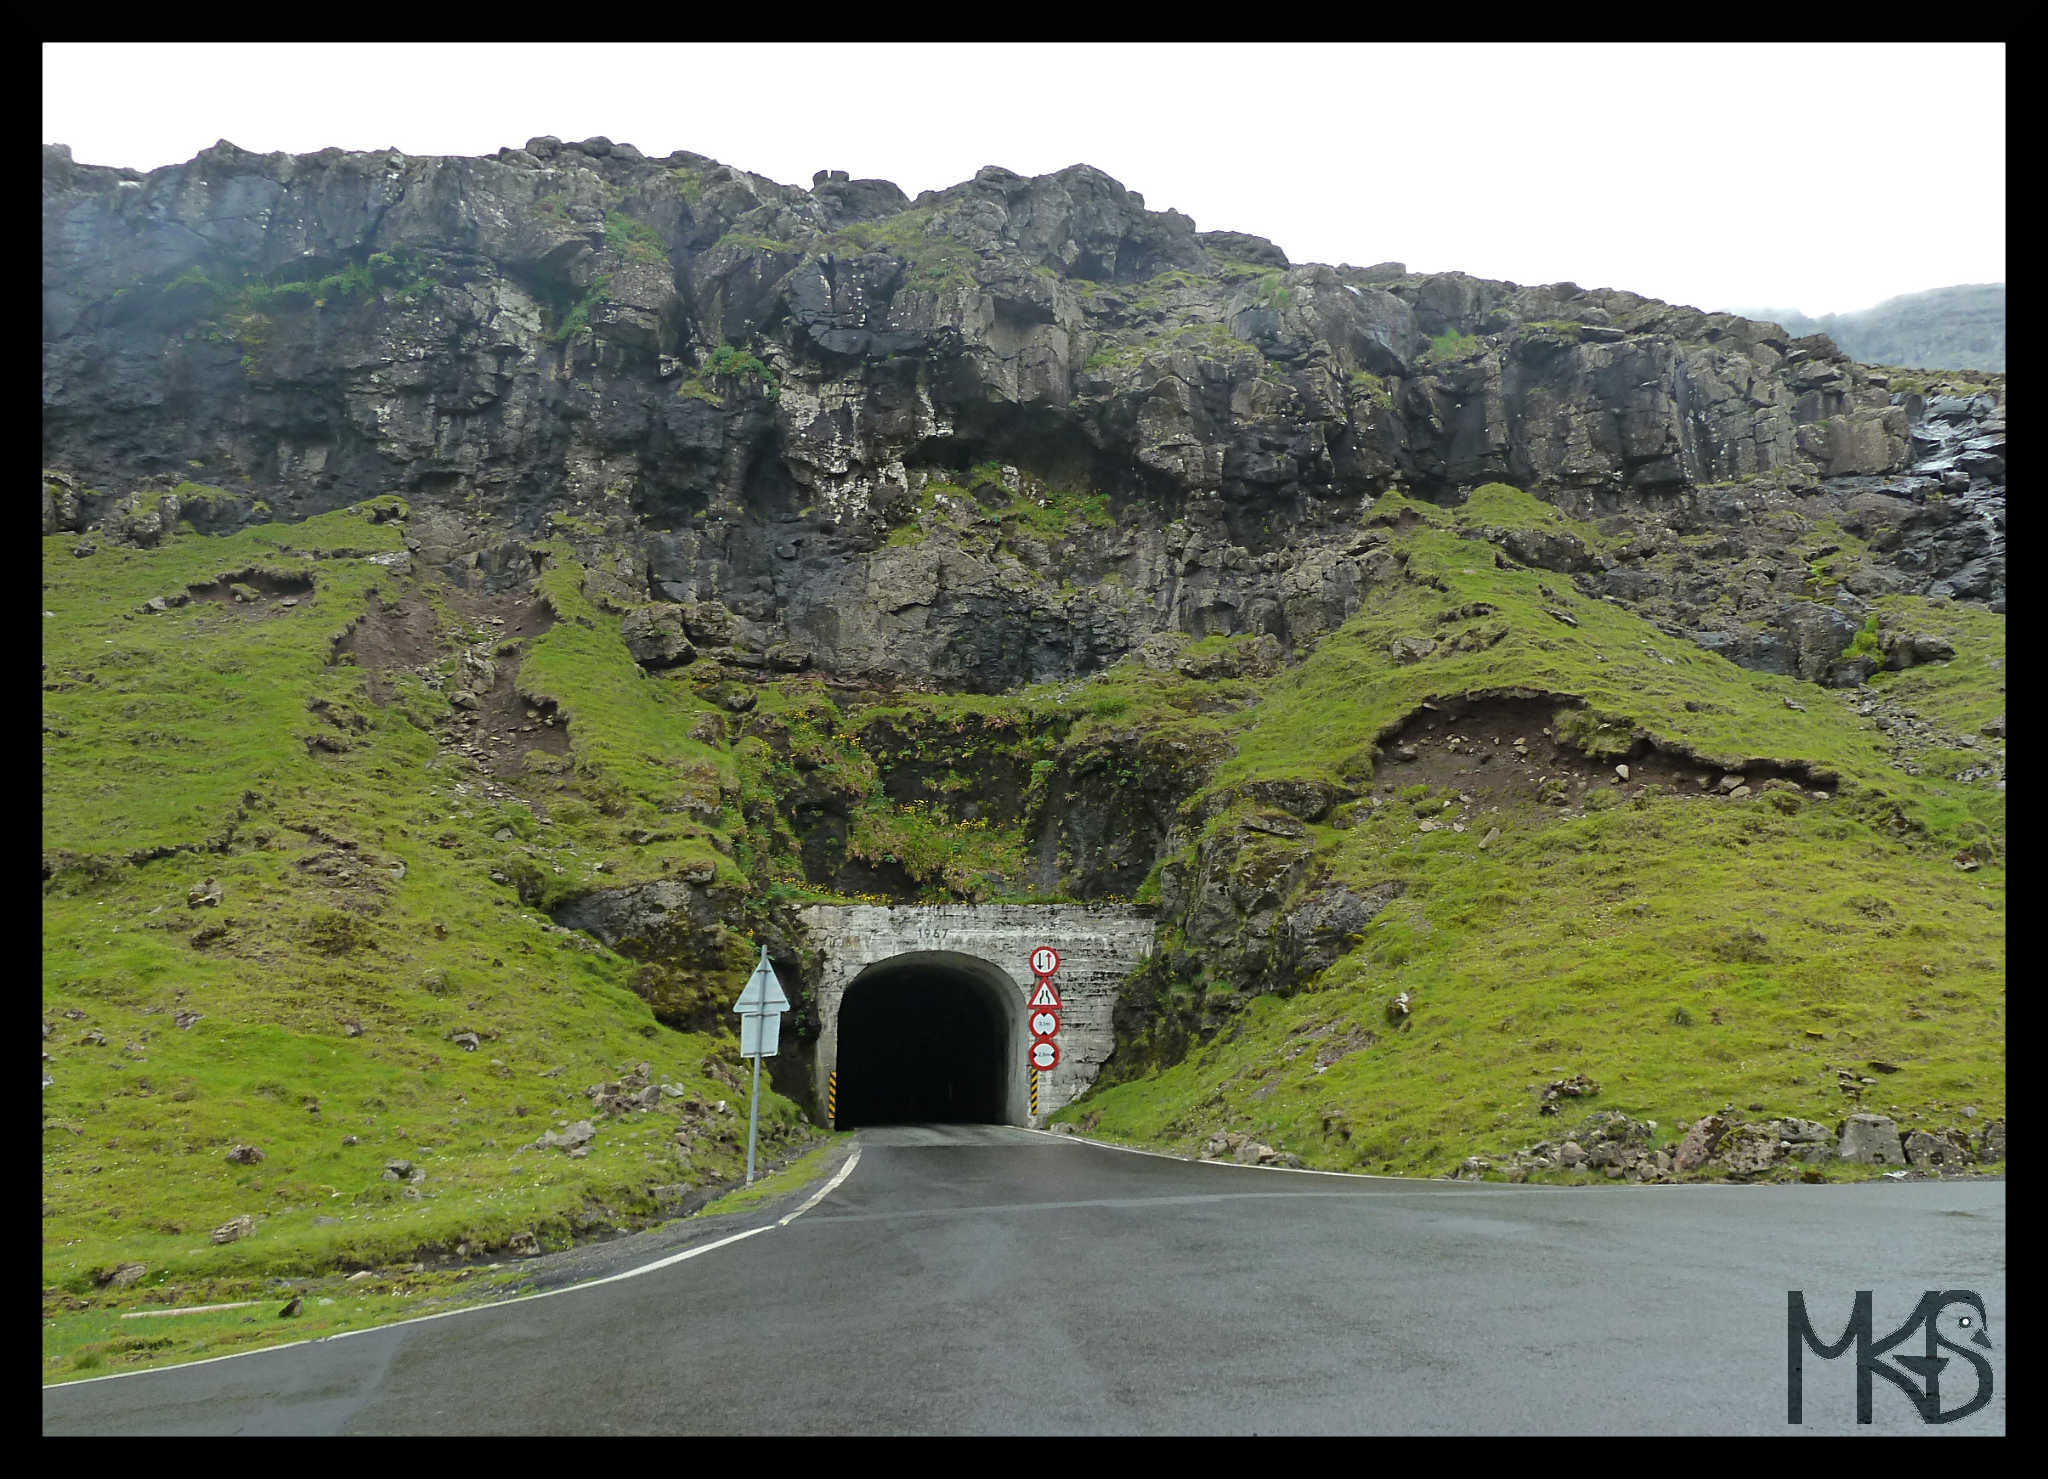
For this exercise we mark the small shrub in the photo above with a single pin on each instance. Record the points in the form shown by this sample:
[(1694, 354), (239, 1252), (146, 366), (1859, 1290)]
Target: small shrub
[(636, 241), (1450, 346)]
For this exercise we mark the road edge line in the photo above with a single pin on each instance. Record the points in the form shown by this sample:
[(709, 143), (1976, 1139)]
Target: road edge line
[(826, 1190), (1415, 1181), (267, 1350), (631, 1273), (1188, 1160)]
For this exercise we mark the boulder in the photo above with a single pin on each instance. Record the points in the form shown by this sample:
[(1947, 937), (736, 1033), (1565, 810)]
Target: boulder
[(234, 1228), (1870, 1140), (1699, 1143), (1910, 649), (1991, 1141), (1748, 1150), (1945, 1151), (657, 637), (571, 1138)]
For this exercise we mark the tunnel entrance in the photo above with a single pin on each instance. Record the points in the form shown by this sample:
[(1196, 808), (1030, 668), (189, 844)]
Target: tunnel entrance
[(927, 1037)]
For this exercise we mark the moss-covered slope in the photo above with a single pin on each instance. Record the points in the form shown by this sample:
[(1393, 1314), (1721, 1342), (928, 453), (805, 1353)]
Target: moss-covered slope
[(283, 910), (1532, 795)]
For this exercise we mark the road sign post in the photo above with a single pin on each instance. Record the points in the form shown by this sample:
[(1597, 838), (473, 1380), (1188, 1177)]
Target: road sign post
[(1042, 1005), (760, 1010)]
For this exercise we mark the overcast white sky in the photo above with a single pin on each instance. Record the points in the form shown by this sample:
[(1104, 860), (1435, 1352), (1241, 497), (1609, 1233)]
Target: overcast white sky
[(1822, 178)]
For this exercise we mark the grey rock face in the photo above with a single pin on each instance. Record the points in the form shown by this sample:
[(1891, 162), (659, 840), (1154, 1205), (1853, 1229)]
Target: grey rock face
[(1928, 1152), (1870, 1140), (656, 636), (729, 394), (1991, 1141)]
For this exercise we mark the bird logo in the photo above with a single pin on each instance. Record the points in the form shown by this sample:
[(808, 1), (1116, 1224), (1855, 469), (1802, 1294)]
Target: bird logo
[(1945, 1319), (1923, 1386)]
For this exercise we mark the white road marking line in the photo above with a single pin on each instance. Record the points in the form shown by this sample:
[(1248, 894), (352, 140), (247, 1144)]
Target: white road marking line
[(826, 1190), (631, 1273)]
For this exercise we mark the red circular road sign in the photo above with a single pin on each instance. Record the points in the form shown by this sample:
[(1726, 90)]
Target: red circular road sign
[(1045, 1054), (1044, 960), (1045, 1024)]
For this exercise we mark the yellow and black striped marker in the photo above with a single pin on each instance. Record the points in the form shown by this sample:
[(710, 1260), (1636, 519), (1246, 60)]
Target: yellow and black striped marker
[(1034, 1094), (832, 1100)]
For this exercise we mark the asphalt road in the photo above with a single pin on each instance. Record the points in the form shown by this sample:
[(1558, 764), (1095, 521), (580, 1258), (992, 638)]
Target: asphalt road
[(989, 1280)]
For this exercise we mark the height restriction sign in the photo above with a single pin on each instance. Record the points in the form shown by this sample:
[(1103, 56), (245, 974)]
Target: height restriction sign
[(1044, 961), (1045, 1024)]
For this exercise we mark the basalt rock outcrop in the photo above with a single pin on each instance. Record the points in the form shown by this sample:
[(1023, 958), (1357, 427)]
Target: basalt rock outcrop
[(1001, 432)]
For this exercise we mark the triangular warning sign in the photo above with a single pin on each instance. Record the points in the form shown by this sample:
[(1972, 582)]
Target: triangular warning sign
[(1044, 996)]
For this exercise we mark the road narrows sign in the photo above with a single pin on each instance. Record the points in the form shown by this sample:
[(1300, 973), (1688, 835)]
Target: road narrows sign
[(1043, 997), (1045, 1055), (1044, 961)]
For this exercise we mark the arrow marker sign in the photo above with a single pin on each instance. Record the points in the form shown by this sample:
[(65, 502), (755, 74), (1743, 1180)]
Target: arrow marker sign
[(1044, 996)]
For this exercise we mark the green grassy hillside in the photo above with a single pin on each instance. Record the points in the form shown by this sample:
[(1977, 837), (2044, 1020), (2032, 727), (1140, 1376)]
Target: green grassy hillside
[(387, 783), (1684, 950), (316, 1011)]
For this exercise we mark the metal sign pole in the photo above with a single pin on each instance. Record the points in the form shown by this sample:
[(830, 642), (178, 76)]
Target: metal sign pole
[(760, 1006), (753, 1118)]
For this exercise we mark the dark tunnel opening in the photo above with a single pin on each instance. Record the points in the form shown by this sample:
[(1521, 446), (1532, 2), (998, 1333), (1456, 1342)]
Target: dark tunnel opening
[(921, 1043)]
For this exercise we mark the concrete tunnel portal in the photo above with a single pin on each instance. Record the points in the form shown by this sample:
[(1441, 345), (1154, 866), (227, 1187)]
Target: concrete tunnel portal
[(921, 1008), (924, 1038)]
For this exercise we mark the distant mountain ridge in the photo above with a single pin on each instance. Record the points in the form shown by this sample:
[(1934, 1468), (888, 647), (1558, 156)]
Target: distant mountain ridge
[(1954, 328)]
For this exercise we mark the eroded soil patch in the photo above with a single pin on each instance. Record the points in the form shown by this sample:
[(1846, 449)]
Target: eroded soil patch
[(251, 587), (504, 727), (1502, 750), (493, 725), (390, 639)]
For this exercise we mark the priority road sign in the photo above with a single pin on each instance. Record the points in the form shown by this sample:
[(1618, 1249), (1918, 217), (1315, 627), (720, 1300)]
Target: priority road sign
[(1045, 1024), (1045, 1055), (1044, 961), (1043, 997)]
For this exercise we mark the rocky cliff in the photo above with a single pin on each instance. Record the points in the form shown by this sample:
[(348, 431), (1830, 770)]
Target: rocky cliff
[(996, 434)]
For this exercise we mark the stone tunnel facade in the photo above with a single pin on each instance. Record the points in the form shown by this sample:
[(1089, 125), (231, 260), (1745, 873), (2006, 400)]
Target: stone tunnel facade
[(989, 944)]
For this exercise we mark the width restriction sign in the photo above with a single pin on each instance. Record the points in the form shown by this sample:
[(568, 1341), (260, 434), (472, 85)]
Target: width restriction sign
[(1043, 997), (1045, 1055), (1044, 961), (1045, 1024)]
